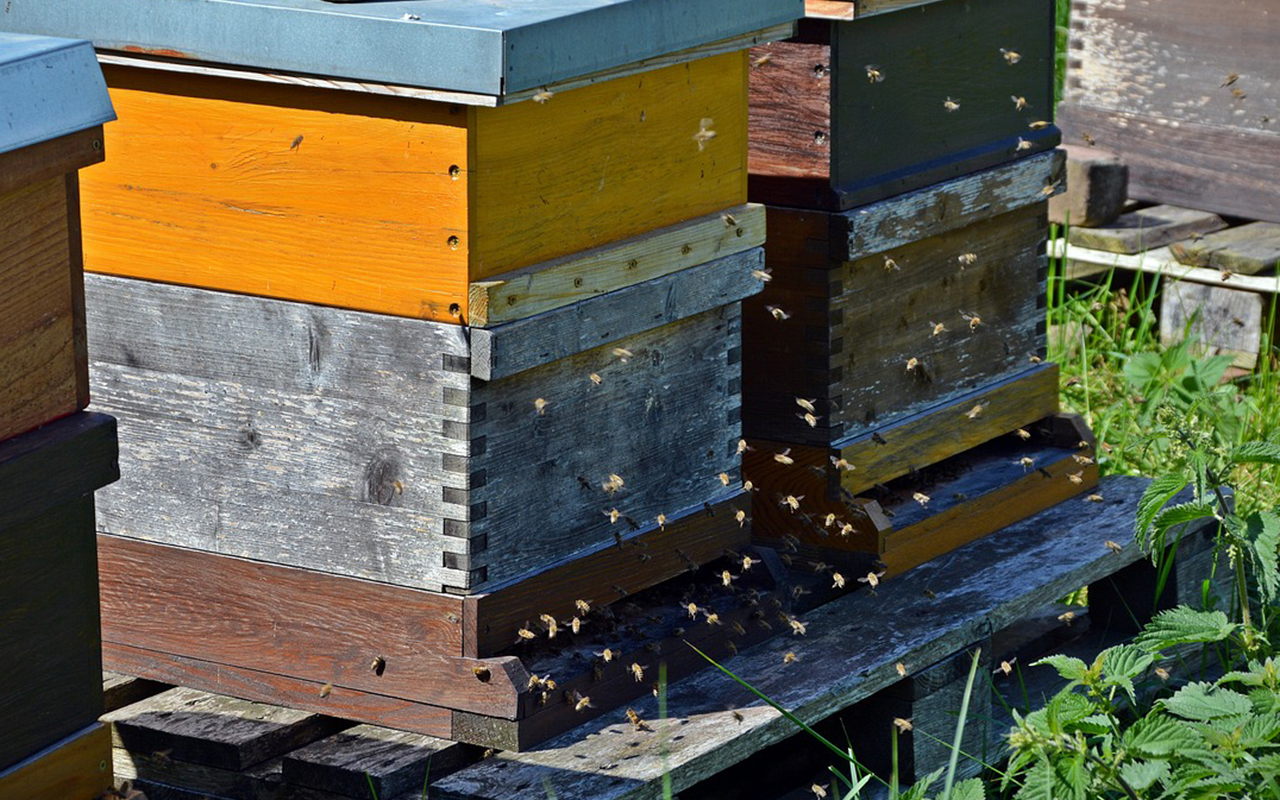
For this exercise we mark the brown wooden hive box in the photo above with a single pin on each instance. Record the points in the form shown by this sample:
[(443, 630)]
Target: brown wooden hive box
[(856, 110), (1187, 94), (49, 636)]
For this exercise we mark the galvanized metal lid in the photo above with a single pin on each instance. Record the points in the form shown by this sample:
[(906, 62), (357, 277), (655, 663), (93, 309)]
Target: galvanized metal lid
[(488, 47), (48, 88)]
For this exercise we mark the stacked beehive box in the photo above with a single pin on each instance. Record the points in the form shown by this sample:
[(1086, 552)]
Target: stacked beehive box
[(894, 385), (426, 351), (53, 455)]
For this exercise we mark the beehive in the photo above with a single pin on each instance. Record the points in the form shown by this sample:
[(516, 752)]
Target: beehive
[(52, 107), (396, 184), (859, 108)]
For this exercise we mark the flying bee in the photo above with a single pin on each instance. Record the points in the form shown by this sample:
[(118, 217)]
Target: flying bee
[(616, 480), (662, 522), (938, 328), (1076, 477), (743, 446), (1067, 618), (543, 96), (584, 608), (912, 364), (1232, 78), (821, 567), (1019, 102), (580, 702), (921, 498), (595, 378), (1089, 140), (890, 265), (778, 313), (967, 259), (819, 790), (790, 658), (1023, 144), (326, 689), (575, 625), (525, 634), (809, 419), (1049, 189), (1094, 498), (549, 622), (748, 486), (606, 654), (1226, 274), (622, 354), (798, 628), (846, 528), (976, 411), (1026, 462), (1034, 359), (841, 464), (613, 514), (829, 521), (764, 275), (534, 682), (1113, 547), (874, 75), (951, 105), (724, 478), (1238, 94), (903, 725), (797, 592), (737, 716), (872, 579), (727, 578), (1162, 673), (748, 562), (692, 608), (837, 580), (540, 405), (1011, 57), (784, 457), (741, 517), (792, 502), (705, 133), (712, 618), (901, 668), (762, 60), (731, 222), (636, 722), (1022, 434), (973, 319), (738, 629), (1006, 667), (1039, 125), (637, 672), (1082, 460), (807, 405)]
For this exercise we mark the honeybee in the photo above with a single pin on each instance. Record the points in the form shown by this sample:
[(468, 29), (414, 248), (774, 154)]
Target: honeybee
[(1022, 434), (1067, 618), (637, 672), (540, 405), (1026, 462), (584, 608), (741, 517), (790, 658), (724, 478), (807, 405), (1238, 94), (732, 223), (967, 259), (778, 313), (326, 689), (727, 578), (738, 629), (662, 522), (1162, 673), (595, 378), (818, 790), (797, 592), (1113, 547), (1089, 140), (903, 725), (1034, 359), (784, 457), (692, 608), (764, 275), (622, 353), (549, 622), (1232, 78), (810, 419), (921, 498), (821, 567), (1039, 124), (874, 75), (1011, 57), (743, 446), (951, 105), (580, 702), (890, 265), (977, 410), (748, 562), (705, 133), (481, 672), (912, 364), (534, 682), (733, 648), (613, 514), (737, 716), (841, 464), (1076, 477), (296, 143), (1019, 102), (792, 502), (973, 319), (748, 486), (872, 579), (543, 96), (525, 634), (1093, 498), (1226, 275), (762, 60), (1023, 144), (846, 528), (901, 668), (798, 628), (616, 480), (712, 618), (837, 580), (607, 654), (575, 625), (635, 720), (1049, 189)]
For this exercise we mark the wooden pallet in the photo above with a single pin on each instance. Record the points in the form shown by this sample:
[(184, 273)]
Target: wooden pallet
[(853, 109)]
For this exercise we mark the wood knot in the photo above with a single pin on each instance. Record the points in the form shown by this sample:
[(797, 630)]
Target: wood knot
[(249, 437)]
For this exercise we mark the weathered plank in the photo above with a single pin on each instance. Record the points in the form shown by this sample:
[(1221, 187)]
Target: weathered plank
[(554, 284), (119, 690), (1146, 229), (75, 768), (789, 150), (1084, 261), (213, 730), (1247, 249), (40, 374), (50, 159), (1097, 188), (1050, 554), (160, 777), (1223, 321), (366, 758), (79, 450), (508, 348), (283, 621)]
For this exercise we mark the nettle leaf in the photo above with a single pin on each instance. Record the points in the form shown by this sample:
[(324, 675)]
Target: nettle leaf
[(1141, 775), (1126, 661), (1261, 729), (1141, 369), (1159, 736), (1038, 785), (1094, 724), (1183, 625), (1204, 701), (1256, 453), (1182, 513), (1073, 669), (1265, 701), (1263, 531), (1159, 492), (971, 789)]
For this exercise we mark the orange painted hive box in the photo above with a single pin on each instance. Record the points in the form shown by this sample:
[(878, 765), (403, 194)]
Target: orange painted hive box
[(390, 181)]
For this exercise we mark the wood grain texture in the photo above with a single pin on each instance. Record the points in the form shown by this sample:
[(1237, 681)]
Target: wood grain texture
[(971, 594), (1097, 188), (49, 615), (633, 563), (120, 690), (50, 159), (560, 282), (1247, 249), (267, 687), (1224, 170), (75, 768), (160, 777), (210, 185), (789, 153), (56, 464), (929, 436), (281, 620), (40, 379), (1146, 229), (1223, 321), (512, 347), (213, 730), (665, 418), (637, 162), (367, 758)]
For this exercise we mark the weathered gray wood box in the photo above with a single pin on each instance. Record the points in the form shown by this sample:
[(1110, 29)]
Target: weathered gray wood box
[(411, 452)]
